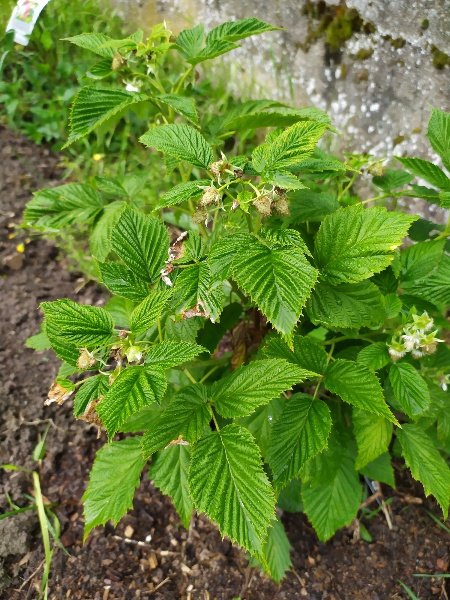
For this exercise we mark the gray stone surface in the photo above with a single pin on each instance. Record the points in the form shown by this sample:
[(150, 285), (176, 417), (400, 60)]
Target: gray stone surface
[(381, 104)]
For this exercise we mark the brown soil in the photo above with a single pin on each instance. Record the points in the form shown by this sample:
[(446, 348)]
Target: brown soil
[(172, 563)]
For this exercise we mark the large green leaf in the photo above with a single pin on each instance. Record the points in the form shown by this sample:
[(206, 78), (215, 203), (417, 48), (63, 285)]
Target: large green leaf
[(239, 394), (275, 558), (228, 483), (358, 386), (439, 134), (142, 242), (425, 463), (353, 243), (279, 281), (62, 206), (233, 31), (306, 205), (100, 239), (197, 289), (289, 148), (433, 288), (93, 107), (224, 250), (80, 325), (186, 417), (123, 282), (91, 389), (134, 388), (94, 42), (420, 260), (180, 104), (346, 306), (113, 480), (169, 353), (373, 435), (331, 497), (374, 356), (183, 142), (182, 192), (169, 473), (146, 314), (260, 423), (306, 352), (410, 389), (299, 434), (426, 170)]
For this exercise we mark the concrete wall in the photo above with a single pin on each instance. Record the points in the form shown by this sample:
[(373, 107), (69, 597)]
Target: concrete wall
[(378, 85)]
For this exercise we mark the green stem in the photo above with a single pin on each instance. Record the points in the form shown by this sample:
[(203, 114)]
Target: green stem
[(189, 376), (213, 416), (179, 84), (210, 372)]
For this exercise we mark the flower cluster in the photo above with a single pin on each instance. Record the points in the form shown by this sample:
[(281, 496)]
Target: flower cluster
[(416, 337)]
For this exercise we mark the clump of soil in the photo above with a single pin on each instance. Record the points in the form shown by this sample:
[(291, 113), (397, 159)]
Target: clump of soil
[(150, 555)]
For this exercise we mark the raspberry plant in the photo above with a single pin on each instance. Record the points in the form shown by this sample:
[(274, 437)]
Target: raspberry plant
[(271, 340)]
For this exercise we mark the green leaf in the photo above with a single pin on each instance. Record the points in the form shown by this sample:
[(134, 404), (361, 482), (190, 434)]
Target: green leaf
[(142, 242), (38, 342), (433, 288), (91, 389), (410, 389), (444, 199), (353, 243), (373, 435), (306, 205), (346, 306), (147, 313), (169, 473), (358, 386), (182, 192), (93, 107), (213, 49), (228, 483), (290, 499), (439, 134), (63, 206), (392, 179), (66, 351), (94, 42), (425, 463), (279, 281), (196, 288), (289, 148), (306, 353), (169, 354), (134, 388), (233, 31), (114, 477), (186, 418), (123, 282), (426, 170), (374, 356), (224, 250), (189, 42), (380, 469), (300, 433), (284, 180), (180, 104), (260, 423), (275, 558), (239, 394), (100, 239), (80, 325), (331, 498), (183, 142), (420, 260), (101, 69)]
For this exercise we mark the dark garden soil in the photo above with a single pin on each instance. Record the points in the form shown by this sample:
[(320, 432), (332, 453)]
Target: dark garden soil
[(150, 555)]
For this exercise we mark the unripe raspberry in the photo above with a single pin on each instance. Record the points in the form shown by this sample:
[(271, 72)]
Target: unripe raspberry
[(117, 62), (263, 205), (86, 359), (210, 196), (281, 205), (199, 216), (219, 167)]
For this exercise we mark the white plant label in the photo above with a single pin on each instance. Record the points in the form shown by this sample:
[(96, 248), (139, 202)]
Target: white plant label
[(23, 19)]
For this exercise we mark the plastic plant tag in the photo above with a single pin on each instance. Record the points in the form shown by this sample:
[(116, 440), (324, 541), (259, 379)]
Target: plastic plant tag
[(23, 19)]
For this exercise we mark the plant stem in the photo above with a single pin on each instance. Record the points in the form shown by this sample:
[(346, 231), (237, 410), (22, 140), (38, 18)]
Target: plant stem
[(213, 416), (189, 376), (210, 372)]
